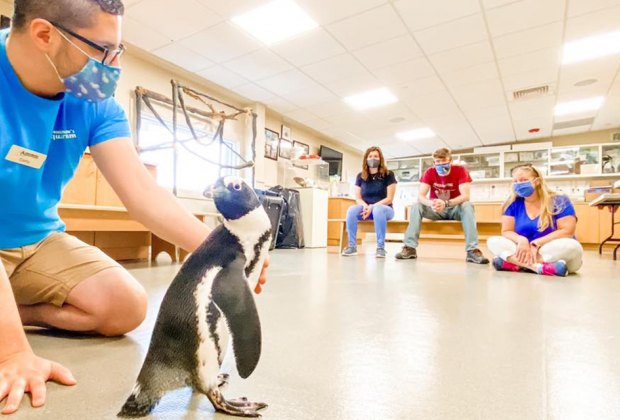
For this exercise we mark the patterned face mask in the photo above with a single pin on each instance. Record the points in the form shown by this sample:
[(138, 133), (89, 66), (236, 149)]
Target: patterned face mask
[(95, 82), (442, 169)]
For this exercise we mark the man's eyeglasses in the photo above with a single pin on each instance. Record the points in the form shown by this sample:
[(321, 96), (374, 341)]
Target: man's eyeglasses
[(109, 56)]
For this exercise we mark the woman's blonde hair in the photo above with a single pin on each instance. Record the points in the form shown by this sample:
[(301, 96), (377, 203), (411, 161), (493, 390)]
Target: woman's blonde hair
[(547, 198)]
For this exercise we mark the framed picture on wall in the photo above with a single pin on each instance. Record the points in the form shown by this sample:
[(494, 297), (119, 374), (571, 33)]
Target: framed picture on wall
[(272, 142), (286, 148), (306, 151), (286, 133)]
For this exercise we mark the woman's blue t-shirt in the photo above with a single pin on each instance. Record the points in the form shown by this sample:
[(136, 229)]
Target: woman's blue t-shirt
[(374, 189), (527, 227)]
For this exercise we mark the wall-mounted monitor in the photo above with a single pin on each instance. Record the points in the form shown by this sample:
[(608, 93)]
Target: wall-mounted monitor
[(334, 158)]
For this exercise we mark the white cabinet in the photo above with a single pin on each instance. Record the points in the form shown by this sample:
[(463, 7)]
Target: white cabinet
[(314, 216)]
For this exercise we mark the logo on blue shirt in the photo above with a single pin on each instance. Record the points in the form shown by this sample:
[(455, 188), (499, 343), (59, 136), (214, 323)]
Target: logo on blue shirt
[(64, 135)]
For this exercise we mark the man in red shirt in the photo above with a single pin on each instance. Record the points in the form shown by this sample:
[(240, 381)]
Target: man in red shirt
[(449, 187)]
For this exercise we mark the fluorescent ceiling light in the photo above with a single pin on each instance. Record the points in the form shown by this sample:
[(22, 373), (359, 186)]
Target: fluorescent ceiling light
[(591, 47), (582, 105), (417, 134), (275, 21), (371, 99)]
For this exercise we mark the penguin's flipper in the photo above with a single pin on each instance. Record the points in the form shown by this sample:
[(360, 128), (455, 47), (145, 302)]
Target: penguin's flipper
[(232, 295)]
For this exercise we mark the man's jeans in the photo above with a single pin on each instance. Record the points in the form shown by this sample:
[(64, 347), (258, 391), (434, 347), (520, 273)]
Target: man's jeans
[(380, 214), (463, 212)]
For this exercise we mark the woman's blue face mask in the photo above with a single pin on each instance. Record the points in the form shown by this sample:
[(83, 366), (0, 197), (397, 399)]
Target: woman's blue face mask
[(443, 169), (524, 189)]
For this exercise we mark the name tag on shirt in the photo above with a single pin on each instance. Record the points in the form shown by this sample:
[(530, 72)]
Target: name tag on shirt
[(25, 157)]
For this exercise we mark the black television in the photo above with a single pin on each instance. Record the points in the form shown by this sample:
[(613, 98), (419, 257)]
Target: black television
[(334, 158)]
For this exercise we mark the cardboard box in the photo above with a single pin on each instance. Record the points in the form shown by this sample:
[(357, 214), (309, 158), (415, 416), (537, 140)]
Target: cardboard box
[(600, 183)]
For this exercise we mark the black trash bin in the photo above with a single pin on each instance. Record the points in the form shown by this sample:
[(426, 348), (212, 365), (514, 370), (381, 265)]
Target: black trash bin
[(274, 206), (291, 234)]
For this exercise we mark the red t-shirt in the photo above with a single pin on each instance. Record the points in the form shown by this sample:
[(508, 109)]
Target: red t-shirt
[(446, 187)]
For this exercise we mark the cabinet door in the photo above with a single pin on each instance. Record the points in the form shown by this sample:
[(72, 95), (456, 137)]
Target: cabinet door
[(587, 224), (81, 189)]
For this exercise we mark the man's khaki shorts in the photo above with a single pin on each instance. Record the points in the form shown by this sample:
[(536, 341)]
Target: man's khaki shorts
[(47, 271)]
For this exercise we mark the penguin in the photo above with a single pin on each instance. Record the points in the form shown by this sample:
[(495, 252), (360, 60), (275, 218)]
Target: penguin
[(209, 299)]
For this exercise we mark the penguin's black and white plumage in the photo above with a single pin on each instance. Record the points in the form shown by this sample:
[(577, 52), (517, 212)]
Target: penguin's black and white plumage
[(209, 298)]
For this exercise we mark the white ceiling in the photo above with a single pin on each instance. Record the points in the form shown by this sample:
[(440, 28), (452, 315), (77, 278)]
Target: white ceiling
[(453, 64)]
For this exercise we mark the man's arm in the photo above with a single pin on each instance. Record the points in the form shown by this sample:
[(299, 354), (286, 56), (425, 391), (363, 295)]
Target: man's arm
[(146, 201), (20, 369), (464, 189), (423, 193)]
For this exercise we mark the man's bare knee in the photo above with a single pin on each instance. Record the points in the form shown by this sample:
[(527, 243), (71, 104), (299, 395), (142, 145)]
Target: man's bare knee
[(123, 317)]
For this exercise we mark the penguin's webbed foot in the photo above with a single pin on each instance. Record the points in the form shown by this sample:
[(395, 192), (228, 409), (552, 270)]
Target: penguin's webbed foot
[(240, 407)]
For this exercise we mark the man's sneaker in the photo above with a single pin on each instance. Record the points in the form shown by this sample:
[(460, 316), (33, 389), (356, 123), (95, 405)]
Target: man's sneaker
[(475, 256), (406, 253), (350, 251), (557, 268), (381, 253), (501, 265)]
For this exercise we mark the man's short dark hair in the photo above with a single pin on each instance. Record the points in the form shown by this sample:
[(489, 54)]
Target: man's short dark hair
[(69, 13)]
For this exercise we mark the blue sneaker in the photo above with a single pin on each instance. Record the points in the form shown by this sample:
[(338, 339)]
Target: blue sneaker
[(350, 251)]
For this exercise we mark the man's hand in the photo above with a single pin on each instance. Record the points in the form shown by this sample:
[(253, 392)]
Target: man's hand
[(263, 277), (25, 372), (438, 205)]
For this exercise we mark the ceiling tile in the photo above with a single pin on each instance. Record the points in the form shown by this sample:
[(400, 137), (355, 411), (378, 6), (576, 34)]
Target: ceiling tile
[(494, 134), (479, 95), (393, 51), (222, 77), (522, 128), (421, 87), (580, 7), (183, 57), (608, 116), (428, 146), (289, 81), (258, 65), (435, 105), (523, 15), (331, 109), (401, 74), (221, 43), (470, 75), (573, 130), (532, 108), (453, 34), (421, 14), (142, 36), (185, 18), (548, 58), (334, 68), (311, 96), (594, 23), (368, 28), (328, 11), (541, 76), (463, 57), (311, 47), (491, 4), (603, 71), (231, 8), (254, 92), (280, 105), (354, 85), (517, 43)]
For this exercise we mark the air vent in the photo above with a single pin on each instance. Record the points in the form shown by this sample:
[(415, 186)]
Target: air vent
[(534, 92), (573, 123)]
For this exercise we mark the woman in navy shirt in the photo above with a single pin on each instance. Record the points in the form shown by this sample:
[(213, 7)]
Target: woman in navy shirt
[(538, 229), (374, 192)]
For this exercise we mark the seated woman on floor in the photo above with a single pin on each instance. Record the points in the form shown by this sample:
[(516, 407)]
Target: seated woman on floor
[(375, 187), (538, 229)]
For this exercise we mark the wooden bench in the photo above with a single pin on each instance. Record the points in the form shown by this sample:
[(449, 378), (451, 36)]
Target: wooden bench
[(431, 229), (112, 229)]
